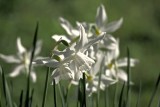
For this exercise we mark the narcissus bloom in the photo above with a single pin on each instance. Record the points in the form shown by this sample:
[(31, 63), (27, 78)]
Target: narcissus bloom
[(113, 64), (22, 59)]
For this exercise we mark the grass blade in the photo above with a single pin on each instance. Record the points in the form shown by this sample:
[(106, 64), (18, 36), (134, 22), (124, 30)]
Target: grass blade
[(129, 78), (21, 99), (98, 88), (6, 89), (84, 90), (106, 97), (45, 88), (61, 95), (54, 93), (154, 92), (115, 96), (30, 66), (139, 94), (121, 96), (31, 98)]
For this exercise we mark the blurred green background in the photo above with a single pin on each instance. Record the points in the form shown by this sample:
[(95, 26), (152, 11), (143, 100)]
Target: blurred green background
[(140, 32)]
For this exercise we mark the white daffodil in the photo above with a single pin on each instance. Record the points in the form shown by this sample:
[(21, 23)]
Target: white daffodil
[(113, 64), (92, 76), (102, 24), (74, 57), (57, 38), (22, 59), (72, 32)]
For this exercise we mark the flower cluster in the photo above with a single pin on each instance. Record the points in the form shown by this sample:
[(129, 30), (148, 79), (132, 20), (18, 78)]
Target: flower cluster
[(89, 48)]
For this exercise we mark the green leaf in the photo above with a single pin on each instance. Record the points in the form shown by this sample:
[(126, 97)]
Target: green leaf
[(45, 88), (54, 93), (154, 91), (30, 66), (6, 89)]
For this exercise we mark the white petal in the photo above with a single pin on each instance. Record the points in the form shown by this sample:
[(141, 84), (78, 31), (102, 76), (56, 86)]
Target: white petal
[(107, 80), (68, 27), (38, 47), (93, 41), (82, 39), (110, 42), (97, 66), (20, 47), (113, 26), (33, 76), (123, 62), (16, 71), (61, 37), (101, 17), (10, 58), (122, 75), (51, 63)]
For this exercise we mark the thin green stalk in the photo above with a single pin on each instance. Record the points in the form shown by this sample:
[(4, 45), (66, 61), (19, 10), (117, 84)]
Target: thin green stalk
[(31, 98), (45, 88), (21, 99), (6, 87), (154, 91), (129, 78), (79, 95), (54, 93), (139, 94), (106, 97), (98, 88), (115, 96), (61, 95), (30, 65), (121, 96), (84, 90)]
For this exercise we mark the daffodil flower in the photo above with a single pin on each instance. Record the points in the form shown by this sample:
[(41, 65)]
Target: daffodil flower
[(92, 76), (74, 57), (113, 64), (22, 59), (102, 24), (72, 32)]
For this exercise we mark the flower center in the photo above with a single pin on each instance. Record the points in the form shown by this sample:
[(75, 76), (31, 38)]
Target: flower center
[(97, 31)]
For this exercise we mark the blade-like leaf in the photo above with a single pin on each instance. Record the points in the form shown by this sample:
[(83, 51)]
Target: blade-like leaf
[(45, 88), (121, 96), (84, 90), (6, 89), (30, 65), (129, 78), (139, 94), (154, 91), (21, 99), (54, 93)]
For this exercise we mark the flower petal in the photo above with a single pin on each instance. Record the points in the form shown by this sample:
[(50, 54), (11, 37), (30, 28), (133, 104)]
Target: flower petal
[(16, 71), (123, 62), (20, 47), (68, 27), (38, 47), (10, 58), (33, 76), (93, 41), (101, 17), (113, 26), (82, 39), (61, 37)]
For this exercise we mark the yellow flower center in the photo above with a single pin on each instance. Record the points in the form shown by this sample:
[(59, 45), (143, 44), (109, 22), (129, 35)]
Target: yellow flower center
[(90, 78), (110, 65), (97, 31)]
